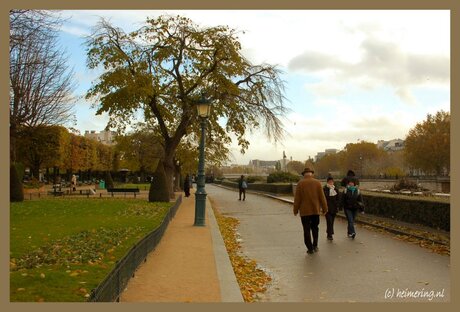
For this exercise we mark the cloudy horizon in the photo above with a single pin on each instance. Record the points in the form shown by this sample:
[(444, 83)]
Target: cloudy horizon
[(350, 75)]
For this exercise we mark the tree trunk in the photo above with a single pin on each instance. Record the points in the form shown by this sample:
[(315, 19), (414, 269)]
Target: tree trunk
[(13, 139), (35, 170), (168, 164), (169, 172), (177, 182)]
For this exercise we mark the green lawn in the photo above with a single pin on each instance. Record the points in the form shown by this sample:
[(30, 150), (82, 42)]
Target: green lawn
[(60, 249)]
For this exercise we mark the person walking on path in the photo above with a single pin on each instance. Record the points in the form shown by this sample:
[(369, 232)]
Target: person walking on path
[(350, 175), (242, 186), (352, 201), (187, 186), (309, 198), (74, 182), (332, 198)]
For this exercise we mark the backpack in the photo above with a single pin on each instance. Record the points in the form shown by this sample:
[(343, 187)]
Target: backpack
[(244, 184), (352, 200)]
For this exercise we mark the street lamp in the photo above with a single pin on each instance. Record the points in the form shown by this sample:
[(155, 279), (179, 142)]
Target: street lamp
[(204, 109)]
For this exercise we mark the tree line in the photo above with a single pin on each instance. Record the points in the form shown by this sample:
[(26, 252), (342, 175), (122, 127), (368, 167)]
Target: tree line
[(426, 151)]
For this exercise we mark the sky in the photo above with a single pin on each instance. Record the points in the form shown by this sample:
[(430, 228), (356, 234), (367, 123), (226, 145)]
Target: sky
[(349, 75)]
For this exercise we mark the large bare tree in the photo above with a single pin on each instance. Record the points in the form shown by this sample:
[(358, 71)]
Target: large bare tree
[(41, 83)]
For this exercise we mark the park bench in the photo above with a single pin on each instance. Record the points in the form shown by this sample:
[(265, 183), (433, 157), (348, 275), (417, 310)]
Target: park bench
[(56, 193), (56, 190), (123, 190)]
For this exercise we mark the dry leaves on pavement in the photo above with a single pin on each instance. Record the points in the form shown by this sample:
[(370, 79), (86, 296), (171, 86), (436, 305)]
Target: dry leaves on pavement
[(251, 279)]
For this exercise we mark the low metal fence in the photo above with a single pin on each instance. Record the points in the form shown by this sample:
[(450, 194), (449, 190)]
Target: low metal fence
[(110, 289)]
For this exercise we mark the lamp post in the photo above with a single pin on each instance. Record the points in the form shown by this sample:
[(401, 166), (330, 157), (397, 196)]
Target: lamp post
[(204, 109)]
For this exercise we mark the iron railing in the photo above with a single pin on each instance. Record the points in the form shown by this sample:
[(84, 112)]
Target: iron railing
[(110, 289)]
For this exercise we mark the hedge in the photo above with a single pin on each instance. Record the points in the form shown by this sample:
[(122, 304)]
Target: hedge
[(263, 187), (419, 211)]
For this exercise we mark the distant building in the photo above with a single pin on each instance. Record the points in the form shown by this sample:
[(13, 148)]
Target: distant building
[(105, 137), (391, 145), (263, 165), (328, 151)]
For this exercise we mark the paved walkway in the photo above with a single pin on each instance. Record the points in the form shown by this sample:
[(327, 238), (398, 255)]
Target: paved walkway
[(190, 264), (371, 268)]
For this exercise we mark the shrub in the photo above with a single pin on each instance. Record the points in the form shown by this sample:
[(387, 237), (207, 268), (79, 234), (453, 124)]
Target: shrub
[(282, 177), (405, 184), (32, 184), (159, 191), (252, 179), (16, 190), (419, 211)]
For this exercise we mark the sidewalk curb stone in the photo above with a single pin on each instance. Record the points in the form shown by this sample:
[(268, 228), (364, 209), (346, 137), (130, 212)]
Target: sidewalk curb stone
[(229, 288)]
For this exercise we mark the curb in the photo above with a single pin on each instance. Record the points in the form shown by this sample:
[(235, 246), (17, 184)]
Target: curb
[(229, 288), (394, 231)]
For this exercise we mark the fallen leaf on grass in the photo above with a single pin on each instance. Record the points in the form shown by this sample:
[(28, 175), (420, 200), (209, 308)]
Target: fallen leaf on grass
[(83, 247)]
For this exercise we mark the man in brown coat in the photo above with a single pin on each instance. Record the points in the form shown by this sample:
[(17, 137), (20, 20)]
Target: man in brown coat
[(309, 198)]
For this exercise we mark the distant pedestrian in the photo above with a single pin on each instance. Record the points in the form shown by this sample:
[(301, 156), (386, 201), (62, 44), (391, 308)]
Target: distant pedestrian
[(74, 183), (187, 186), (242, 186), (352, 202), (309, 198), (332, 198), (350, 174)]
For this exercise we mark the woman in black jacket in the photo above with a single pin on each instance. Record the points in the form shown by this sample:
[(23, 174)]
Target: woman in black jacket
[(350, 175), (352, 201), (332, 198)]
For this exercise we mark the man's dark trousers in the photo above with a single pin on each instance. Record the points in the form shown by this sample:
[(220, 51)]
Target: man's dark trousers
[(310, 223)]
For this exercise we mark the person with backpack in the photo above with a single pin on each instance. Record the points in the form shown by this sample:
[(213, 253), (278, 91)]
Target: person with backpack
[(352, 201), (242, 186), (332, 198)]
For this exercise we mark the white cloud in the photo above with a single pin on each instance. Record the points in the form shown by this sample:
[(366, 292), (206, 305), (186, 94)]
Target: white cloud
[(381, 63), (325, 89), (346, 53)]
